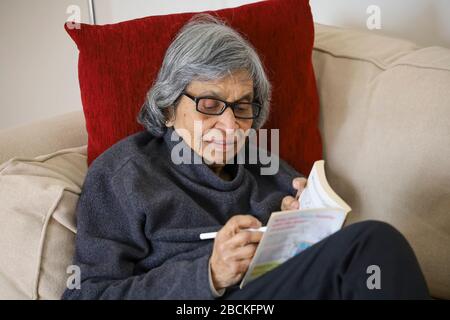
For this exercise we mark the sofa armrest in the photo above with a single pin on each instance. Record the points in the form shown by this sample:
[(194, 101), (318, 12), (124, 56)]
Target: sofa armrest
[(42, 137)]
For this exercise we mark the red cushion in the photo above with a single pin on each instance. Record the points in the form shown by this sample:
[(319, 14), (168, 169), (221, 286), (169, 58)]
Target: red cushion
[(119, 62)]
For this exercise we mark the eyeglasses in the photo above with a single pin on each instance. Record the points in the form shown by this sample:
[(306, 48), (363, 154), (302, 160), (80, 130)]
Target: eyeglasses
[(215, 107)]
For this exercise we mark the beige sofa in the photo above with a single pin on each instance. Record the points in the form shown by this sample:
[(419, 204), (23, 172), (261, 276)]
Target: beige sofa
[(385, 121)]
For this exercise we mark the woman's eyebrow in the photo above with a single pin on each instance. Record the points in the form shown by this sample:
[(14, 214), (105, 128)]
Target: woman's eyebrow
[(211, 93), (247, 96)]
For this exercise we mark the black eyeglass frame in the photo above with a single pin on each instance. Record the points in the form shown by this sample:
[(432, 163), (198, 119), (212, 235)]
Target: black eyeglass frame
[(227, 104)]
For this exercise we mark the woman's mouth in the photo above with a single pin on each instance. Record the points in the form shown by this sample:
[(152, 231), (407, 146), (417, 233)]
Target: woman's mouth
[(222, 144)]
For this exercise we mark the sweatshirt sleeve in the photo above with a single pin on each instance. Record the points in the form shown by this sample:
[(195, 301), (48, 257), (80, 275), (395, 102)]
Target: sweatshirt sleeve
[(111, 240)]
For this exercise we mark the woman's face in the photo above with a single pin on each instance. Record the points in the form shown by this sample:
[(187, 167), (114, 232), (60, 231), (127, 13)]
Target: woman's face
[(216, 138)]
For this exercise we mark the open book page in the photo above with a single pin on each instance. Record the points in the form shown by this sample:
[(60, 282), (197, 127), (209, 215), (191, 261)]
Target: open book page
[(318, 193), (290, 232), (322, 212)]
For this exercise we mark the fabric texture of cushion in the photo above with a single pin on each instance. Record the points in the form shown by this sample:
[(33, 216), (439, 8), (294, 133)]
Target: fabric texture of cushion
[(38, 199), (119, 62), (385, 122), (43, 136)]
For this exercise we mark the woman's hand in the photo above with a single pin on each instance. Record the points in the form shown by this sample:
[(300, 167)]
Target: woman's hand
[(233, 250), (289, 202)]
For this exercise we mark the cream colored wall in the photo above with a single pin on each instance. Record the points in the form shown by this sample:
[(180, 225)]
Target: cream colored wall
[(109, 11), (38, 61)]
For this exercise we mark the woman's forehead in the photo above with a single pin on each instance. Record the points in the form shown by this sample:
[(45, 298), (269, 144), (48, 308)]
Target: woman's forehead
[(237, 81)]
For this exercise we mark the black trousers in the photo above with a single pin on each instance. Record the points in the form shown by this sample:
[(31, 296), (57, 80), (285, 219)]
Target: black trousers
[(366, 260)]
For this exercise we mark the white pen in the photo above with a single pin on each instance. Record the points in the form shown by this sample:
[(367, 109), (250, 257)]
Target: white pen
[(212, 235)]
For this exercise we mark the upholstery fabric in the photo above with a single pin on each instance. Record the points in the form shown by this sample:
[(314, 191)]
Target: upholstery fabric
[(38, 197), (385, 122), (43, 136)]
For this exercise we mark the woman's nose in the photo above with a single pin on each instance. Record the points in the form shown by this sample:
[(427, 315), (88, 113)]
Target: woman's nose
[(227, 119)]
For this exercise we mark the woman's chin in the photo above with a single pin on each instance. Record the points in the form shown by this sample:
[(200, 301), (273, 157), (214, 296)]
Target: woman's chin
[(217, 154), (218, 158)]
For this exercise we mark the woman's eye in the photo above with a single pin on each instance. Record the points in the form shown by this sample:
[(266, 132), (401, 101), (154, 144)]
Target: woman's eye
[(210, 104), (244, 108)]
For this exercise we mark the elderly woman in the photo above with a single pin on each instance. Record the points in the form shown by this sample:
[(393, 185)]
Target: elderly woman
[(142, 209)]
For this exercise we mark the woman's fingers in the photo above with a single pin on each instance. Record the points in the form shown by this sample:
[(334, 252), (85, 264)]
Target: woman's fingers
[(244, 253), (289, 203), (244, 238), (233, 249), (238, 222), (299, 183)]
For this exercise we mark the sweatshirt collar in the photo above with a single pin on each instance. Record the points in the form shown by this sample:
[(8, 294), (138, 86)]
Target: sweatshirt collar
[(196, 169)]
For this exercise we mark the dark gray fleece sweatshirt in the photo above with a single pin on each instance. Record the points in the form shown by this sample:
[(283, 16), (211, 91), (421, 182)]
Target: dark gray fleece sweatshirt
[(139, 217)]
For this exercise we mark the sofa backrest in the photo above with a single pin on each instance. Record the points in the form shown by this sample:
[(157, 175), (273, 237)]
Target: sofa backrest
[(45, 136), (385, 124)]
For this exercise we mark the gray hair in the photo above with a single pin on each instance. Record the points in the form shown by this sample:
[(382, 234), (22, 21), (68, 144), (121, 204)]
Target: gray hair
[(204, 49)]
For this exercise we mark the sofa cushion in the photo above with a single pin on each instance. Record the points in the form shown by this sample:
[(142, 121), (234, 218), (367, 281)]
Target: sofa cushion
[(119, 62), (38, 198), (385, 122), (43, 136)]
